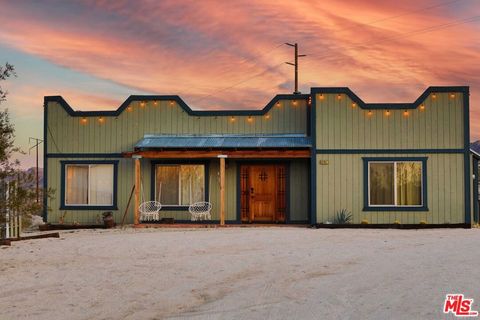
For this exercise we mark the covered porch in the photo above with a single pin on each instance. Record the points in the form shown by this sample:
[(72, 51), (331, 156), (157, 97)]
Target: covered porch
[(223, 167)]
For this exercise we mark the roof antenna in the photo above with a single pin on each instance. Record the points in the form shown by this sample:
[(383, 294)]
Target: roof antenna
[(295, 64)]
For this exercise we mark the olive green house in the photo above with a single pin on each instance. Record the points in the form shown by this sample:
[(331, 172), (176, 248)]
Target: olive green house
[(299, 160)]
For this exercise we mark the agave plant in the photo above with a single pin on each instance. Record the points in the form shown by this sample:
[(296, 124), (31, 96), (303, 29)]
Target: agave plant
[(343, 217)]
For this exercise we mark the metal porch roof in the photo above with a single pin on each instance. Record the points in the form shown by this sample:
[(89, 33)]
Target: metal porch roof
[(223, 141)]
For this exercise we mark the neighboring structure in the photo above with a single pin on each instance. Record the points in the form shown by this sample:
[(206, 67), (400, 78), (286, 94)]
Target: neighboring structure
[(300, 159), (475, 149)]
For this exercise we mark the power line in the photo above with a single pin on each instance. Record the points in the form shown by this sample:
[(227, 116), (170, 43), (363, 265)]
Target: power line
[(238, 83), (406, 34), (374, 22)]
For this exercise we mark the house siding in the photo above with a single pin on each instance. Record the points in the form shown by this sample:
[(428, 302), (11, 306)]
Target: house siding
[(345, 133), (298, 195), (340, 185), (120, 133)]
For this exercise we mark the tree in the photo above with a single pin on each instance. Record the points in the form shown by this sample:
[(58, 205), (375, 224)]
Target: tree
[(6, 72), (21, 194)]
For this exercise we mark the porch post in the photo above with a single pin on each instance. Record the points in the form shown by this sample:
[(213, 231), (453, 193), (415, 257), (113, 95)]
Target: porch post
[(137, 189), (222, 189)]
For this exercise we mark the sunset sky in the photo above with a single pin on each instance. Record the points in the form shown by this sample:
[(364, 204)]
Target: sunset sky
[(230, 54)]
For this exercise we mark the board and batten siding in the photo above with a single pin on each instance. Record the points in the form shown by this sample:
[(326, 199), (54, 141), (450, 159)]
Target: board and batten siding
[(340, 185), (343, 130), (120, 133), (298, 188), (342, 125)]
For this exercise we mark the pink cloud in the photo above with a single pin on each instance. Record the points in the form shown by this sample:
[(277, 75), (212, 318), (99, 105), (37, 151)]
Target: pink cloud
[(201, 47)]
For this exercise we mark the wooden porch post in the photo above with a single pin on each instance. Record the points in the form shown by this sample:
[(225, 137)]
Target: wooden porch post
[(222, 189), (137, 189)]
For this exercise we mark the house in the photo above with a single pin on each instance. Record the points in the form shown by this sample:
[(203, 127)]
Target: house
[(299, 160), (475, 150)]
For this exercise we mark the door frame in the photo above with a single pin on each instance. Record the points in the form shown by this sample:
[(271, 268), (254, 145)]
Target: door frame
[(253, 162)]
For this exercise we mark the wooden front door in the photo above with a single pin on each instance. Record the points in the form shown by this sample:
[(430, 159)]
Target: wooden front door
[(263, 193)]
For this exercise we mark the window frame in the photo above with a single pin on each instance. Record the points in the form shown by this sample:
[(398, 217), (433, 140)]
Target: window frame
[(153, 187), (63, 184), (394, 160)]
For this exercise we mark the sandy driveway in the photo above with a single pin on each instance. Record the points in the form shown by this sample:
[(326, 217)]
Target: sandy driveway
[(240, 273)]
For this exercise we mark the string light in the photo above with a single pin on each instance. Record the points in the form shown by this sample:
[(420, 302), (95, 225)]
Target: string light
[(267, 116), (129, 108), (405, 113), (339, 96), (434, 96), (142, 104), (294, 102), (452, 95), (250, 119), (83, 120), (232, 119), (171, 103), (278, 104), (354, 104), (321, 97), (387, 113), (370, 113), (155, 103), (422, 107), (309, 101), (101, 120)]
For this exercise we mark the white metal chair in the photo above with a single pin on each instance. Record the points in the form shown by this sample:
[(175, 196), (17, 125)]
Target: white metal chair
[(150, 211), (200, 210)]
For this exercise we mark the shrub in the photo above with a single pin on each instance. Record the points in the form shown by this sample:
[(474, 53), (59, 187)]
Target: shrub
[(343, 217)]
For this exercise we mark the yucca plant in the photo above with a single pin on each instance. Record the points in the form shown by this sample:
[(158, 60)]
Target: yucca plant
[(343, 217)]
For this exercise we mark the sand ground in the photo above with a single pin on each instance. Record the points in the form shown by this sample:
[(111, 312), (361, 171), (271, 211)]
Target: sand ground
[(239, 273)]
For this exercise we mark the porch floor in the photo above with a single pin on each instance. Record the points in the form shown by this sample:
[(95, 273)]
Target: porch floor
[(216, 225)]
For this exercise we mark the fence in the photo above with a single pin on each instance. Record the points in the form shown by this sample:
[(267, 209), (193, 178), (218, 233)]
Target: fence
[(10, 220)]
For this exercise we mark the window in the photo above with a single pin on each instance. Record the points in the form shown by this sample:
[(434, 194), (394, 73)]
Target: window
[(395, 184), (179, 185), (89, 185)]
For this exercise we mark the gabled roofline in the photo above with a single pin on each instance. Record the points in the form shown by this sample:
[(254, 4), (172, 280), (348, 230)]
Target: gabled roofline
[(412, 105), (177, 99)]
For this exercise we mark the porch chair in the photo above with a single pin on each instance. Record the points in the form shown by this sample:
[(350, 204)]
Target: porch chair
[(200, 210), (150, 211)]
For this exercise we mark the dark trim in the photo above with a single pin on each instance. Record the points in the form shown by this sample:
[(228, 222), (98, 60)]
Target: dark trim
[(45, 163), (392, 226), (155, 162), (313, 161), (476, 189), (367, 207), (84, 155), (413, 105), (467, 163), (63, 206), (179, 101), (392, 151)]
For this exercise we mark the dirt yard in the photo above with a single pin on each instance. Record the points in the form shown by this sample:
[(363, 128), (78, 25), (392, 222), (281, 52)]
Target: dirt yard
[(239, 273)]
